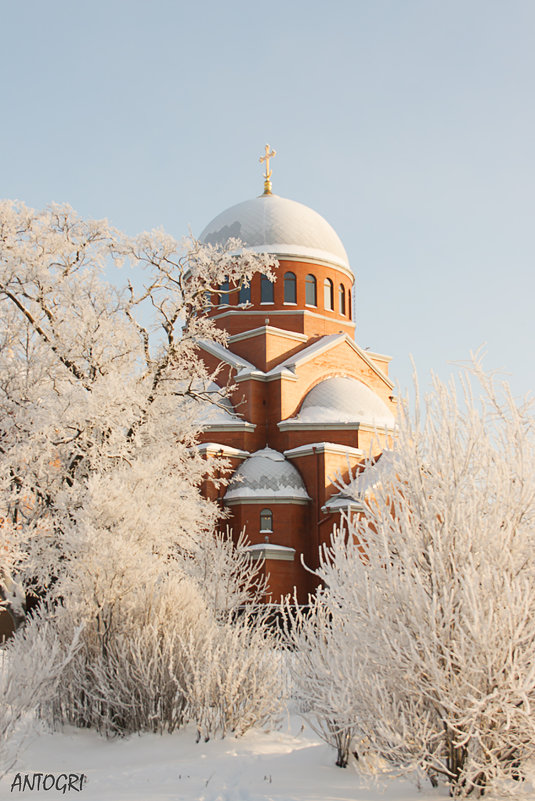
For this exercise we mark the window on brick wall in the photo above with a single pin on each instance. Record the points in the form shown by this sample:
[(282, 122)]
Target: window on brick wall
[(328, 294), (266, 521), (290, 288), (266, 290), (245, 294), (310, 290), (224, 293), (342, 299)]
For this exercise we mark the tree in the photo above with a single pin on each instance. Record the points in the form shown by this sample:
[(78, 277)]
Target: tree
[(100, 408), (434, 591)]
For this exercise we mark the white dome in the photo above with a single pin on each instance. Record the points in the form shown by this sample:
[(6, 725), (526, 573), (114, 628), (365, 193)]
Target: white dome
[(273, 224), (344, 400), (264, 476)]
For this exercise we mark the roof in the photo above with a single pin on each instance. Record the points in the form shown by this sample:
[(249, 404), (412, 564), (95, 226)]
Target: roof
[(273, 224), (266, 476), (344, 400)]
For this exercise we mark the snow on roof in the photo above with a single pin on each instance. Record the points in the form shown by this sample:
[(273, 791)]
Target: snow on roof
[(266, 474), (262, 545), (322, 447), (269, 550), (214, 407), (341, 501), (225, 450), (225, 355), (273, 224), (343, 400)]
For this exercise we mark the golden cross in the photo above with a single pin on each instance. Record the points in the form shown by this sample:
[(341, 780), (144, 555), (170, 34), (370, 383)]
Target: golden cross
[(267, 175)]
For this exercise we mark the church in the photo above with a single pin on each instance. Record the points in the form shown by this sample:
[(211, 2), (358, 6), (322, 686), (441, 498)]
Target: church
[(308, 405)]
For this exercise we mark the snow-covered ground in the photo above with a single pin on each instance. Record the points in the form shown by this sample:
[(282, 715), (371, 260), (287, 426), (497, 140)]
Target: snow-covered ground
[(290, 764)]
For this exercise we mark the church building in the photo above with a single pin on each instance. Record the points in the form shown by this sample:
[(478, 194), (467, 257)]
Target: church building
[(309, 404)]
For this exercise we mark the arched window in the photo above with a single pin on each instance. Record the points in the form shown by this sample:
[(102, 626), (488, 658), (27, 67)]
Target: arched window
[(328, 294), (245, 294), (266, 290), (349, 304), (310, 290), (290, 289), (266, 521), (342, 299), (224, 293)]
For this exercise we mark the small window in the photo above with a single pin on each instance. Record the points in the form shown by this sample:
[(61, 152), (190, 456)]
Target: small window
[(224, 293), (266, 521), (266, 290), (290, 288), (310, 290), (245, 294), (349, 304), (342, 299), (328, 294)]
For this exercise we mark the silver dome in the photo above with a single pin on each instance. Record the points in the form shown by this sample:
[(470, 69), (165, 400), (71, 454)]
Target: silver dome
[(266, 476)]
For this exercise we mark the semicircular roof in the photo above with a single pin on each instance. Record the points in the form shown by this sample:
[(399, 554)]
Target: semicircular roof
[(266, 475), (344, 400), (273, 224)]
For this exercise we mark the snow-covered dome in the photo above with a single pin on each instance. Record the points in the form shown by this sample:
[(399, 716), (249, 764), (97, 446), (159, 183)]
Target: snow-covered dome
[(344, 400), (273, 224), (264, 476)]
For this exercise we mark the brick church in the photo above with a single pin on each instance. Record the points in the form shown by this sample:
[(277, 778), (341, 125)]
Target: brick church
[(308, 403)]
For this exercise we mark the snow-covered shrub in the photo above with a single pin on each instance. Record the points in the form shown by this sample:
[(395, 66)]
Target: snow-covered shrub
[(167, 660), (31, 664), (130, 679), (430, 600), (322, 674), (232, 674)]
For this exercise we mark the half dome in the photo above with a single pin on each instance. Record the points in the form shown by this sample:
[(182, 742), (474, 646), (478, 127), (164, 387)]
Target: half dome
[(266, 476), (273, 224), (344, 400)]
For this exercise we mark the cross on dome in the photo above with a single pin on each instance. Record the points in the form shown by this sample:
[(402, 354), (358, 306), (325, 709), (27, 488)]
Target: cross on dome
[(267, 175)]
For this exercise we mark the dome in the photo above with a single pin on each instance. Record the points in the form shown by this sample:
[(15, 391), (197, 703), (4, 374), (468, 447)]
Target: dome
[(273, 224), (266, 476), (344, 400)]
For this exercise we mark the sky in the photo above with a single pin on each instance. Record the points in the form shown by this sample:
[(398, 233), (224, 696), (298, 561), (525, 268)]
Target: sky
[(408, 124)]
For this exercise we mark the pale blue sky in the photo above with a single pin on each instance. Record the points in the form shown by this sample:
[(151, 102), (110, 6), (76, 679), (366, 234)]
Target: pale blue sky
[(408, 124)]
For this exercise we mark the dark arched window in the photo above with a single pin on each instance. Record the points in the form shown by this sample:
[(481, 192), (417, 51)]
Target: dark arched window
[(290, 290), (310, 290), (224, 293), (266, 290), (328, 294), (342, 299), (349, 304), (245, 294), (266, 521)]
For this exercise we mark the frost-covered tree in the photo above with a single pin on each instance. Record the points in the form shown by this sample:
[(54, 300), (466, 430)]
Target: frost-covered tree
[(100, 394), (430, 597), (99, 409)]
